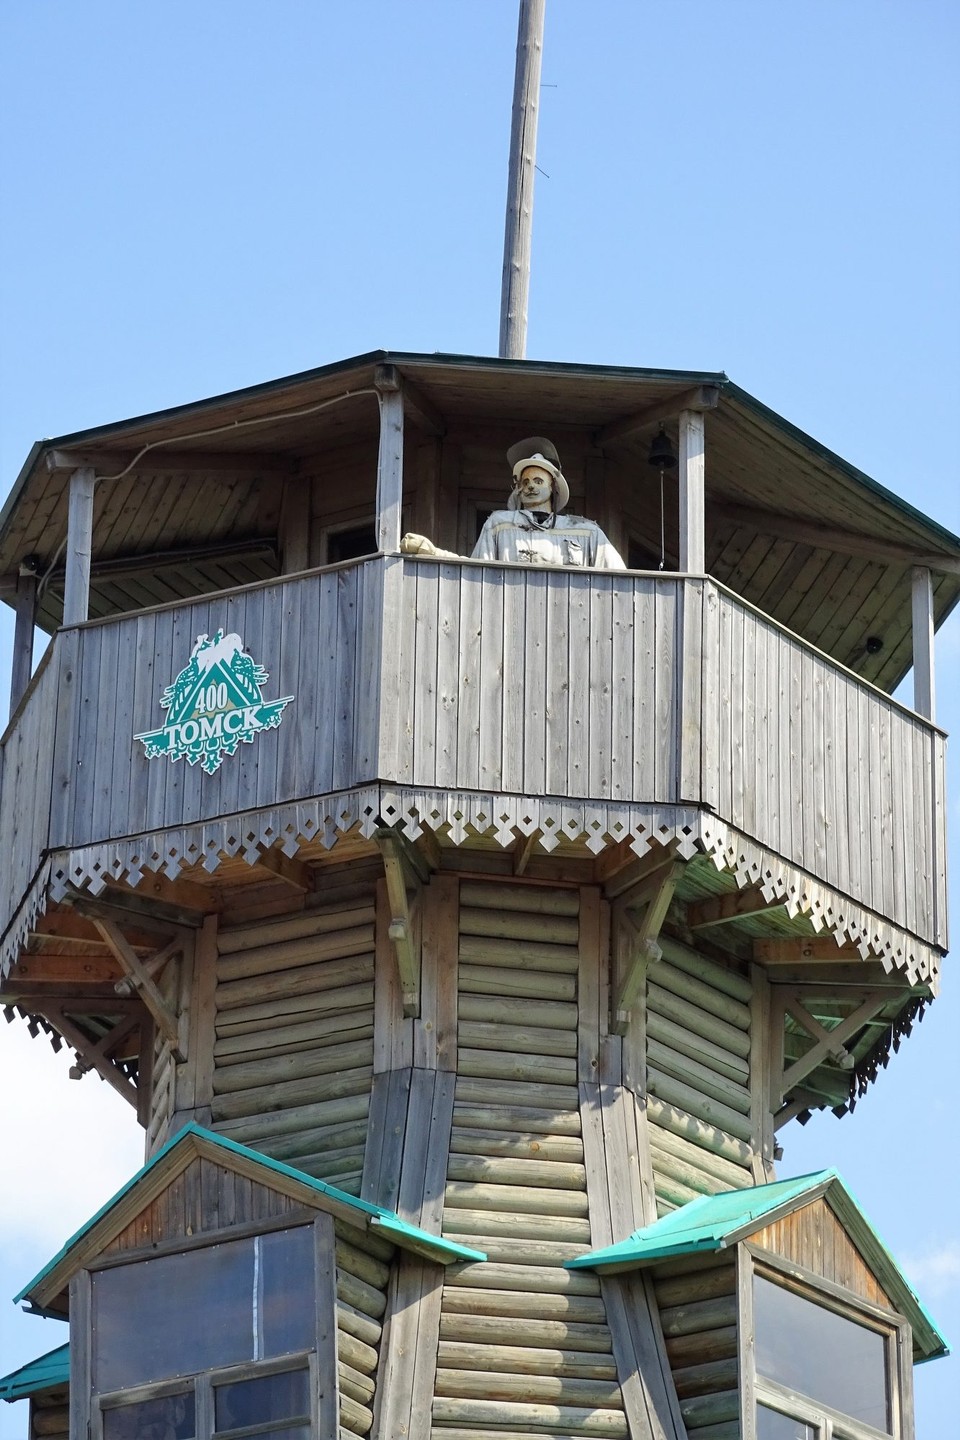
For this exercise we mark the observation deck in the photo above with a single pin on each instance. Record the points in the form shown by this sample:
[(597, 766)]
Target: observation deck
[(724, 699), (587, 707)]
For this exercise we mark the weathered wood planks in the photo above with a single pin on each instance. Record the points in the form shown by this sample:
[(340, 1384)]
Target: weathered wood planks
[(593, 686)]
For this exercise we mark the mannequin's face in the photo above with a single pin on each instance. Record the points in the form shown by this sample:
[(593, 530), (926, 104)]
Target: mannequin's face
[(535, 488)]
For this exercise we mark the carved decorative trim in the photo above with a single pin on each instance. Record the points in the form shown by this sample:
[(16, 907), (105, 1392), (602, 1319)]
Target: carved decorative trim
[(460, 813)]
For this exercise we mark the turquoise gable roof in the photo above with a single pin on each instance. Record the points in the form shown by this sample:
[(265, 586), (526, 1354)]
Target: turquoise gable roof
[(714, 1222), (704, 1223), (41, 1374), (401, 1232)]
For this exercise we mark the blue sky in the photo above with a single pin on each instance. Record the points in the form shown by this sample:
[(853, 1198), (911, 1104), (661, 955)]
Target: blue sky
[(204, 195)]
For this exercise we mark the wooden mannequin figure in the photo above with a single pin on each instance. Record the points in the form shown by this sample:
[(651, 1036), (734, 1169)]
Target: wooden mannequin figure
[(532, 530)]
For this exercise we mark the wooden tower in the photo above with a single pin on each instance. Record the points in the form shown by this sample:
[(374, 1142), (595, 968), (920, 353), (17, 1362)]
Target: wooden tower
[(446, 922)]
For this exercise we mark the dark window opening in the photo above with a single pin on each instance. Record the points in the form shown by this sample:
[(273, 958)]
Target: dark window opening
[(351, 544)]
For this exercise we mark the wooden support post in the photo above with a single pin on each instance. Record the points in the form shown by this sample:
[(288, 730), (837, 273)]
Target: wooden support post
[(924, 691), (23, 634), (295, 526), (403, 892), (515, 285), (692, 544), (76, 591), (523, 850), (389, 460)]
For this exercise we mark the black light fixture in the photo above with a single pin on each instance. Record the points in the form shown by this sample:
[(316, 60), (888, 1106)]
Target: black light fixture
[(662, 458), (661, 455)]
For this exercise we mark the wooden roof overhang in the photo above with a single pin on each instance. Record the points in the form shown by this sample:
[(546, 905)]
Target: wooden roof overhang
[(195, 505), (64, 982)]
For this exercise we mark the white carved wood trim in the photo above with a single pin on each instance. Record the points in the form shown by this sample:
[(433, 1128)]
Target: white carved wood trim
[(458, 814)]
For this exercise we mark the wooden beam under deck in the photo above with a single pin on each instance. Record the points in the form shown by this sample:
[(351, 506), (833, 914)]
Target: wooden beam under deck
[(295, 873), (165, 459), (724, 909), (700, 397), (95, 1055), (825, 537), (805, 950)]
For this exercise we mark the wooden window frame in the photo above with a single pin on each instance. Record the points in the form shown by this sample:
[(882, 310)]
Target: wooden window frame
[(363, 519), (829, 1424), (87, 1407), (203, 1386)]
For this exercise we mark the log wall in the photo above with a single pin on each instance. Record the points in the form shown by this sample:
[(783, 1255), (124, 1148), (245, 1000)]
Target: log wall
[(293, 1056), (363, 1273), (524, 1344), (697, 1300), (50, 1416), (698, 1053)]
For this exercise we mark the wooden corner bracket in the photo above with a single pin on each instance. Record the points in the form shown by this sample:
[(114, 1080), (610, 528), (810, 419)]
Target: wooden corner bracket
[(637, 913), (406, 873)]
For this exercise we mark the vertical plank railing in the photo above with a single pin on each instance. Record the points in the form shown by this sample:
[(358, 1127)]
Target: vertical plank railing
[(27, 785), (463, 676), (544, 682), (319, 638), (822, 768)]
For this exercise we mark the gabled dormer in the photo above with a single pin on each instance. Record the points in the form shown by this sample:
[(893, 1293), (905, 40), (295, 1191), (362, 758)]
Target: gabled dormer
[(784, 1314), (221, 1293)]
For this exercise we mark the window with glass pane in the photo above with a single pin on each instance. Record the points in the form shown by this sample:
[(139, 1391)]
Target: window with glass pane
[(772, 1425), (819, 1353), (203, 1309), (168, 1417), (278, 1405)]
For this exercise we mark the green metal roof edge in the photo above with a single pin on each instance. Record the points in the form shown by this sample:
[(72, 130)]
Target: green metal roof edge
[(47, 1370), (434, 1244), (678, 1233), (887, 1266), (750, 402)]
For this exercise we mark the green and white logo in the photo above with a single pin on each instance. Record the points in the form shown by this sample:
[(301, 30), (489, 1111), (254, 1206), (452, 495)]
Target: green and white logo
[(215, 703)]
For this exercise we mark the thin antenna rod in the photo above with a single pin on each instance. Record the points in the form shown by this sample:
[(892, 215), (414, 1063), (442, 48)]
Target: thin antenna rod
[(515, 286)]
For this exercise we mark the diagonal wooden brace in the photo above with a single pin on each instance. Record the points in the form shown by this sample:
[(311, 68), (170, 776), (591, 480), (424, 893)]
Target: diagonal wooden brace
[(164, 1017), (828, 1043), (636, 939), (96, 1055)]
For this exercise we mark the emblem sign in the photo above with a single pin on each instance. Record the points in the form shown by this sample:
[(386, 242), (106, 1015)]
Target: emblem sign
[(215, 703)]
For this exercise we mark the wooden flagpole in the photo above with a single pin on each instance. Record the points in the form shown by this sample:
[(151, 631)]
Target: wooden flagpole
[(515, 286)]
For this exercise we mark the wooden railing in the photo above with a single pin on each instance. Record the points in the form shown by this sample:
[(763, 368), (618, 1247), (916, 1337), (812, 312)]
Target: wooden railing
[(474, 677)]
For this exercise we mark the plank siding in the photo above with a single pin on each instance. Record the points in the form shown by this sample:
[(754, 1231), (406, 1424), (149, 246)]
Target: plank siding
[(319, 634), (28, 785), (587, 685), (814, 1238)]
